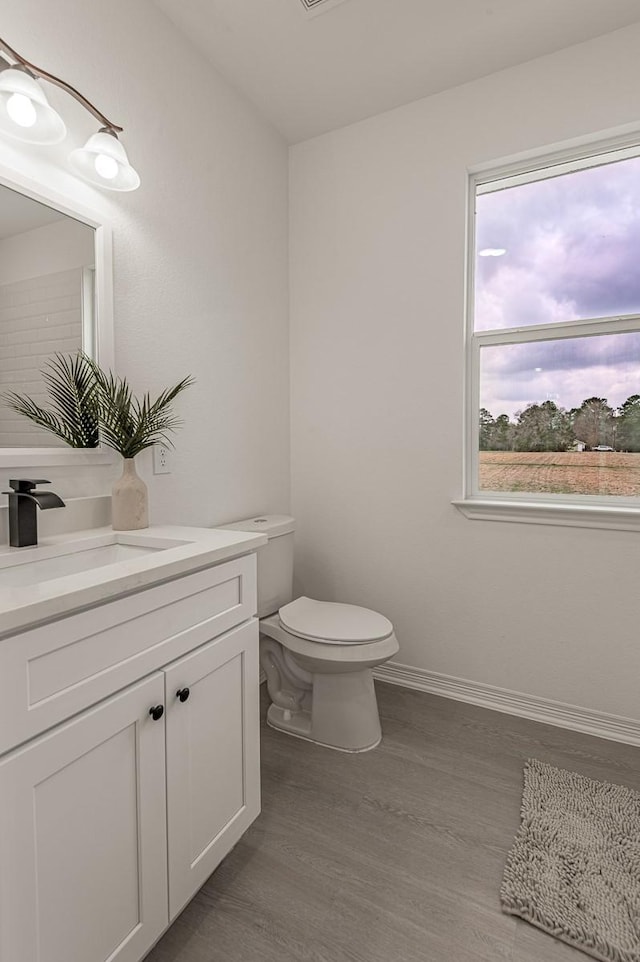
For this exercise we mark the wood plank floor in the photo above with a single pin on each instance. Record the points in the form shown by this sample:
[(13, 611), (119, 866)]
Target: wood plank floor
[(395, 855)]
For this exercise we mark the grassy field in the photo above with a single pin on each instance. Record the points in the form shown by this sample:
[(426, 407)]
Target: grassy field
[(585, 472)]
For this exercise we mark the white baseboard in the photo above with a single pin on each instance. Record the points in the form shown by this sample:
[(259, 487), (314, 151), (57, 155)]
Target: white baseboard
[(614, 727)]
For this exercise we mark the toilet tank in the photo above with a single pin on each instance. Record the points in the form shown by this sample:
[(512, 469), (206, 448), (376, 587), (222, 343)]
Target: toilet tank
[(275, 559)]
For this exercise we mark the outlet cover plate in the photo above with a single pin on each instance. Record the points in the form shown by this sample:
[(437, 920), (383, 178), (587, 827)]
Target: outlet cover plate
[(161, 459)]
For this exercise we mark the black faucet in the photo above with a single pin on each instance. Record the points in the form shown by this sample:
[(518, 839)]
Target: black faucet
[(23, 527)]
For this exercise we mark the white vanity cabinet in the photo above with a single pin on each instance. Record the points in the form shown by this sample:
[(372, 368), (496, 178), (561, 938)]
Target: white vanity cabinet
[(111, 819)]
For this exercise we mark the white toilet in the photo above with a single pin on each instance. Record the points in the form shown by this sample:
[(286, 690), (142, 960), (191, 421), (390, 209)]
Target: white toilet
[(317, 655)]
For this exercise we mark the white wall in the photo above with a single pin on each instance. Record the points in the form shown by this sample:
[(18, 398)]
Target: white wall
[(200, 250), (61, 246), (377, 289)]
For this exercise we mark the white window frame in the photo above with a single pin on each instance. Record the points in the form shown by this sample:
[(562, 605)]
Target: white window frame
[(538, 508)]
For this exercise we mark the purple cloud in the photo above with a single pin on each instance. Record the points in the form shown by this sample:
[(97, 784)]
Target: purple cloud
[(572, 247), (564, 371), (572, 244)]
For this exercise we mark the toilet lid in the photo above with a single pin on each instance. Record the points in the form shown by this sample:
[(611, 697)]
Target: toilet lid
[(326, 621)]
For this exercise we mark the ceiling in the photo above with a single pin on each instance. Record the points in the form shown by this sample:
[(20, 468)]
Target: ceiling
[(19, 213), (313, 72)]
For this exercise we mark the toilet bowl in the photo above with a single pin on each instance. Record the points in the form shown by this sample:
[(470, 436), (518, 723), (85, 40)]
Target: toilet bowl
[(317, 655)]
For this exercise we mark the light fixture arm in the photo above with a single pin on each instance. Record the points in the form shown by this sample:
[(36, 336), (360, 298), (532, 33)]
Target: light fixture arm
[(44, 75)]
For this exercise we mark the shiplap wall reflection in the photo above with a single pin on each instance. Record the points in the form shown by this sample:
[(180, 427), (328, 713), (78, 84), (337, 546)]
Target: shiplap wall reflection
[(39, 316)]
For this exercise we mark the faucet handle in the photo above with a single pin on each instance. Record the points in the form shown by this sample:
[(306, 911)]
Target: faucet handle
[(26, 485)]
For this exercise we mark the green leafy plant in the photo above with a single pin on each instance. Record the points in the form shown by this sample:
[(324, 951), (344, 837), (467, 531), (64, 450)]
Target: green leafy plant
[(129, 425), (91, 406), (73, 413)]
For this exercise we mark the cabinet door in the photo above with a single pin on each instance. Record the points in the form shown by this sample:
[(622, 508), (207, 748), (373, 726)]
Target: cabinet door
[(83, 836), (213, 757)]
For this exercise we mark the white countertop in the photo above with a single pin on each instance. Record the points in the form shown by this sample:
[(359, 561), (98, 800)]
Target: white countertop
[(26, 605)]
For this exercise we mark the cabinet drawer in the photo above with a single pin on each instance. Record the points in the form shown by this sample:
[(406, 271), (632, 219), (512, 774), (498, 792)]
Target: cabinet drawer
[(58, 669)]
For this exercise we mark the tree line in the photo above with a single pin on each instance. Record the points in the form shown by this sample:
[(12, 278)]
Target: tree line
[(547, 427)]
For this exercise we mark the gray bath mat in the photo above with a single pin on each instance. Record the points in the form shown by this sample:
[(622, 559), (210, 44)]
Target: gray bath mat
[(574, 869)]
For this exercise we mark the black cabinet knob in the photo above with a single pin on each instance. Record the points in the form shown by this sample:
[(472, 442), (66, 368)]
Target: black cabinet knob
[(182, 694), (156, 712)]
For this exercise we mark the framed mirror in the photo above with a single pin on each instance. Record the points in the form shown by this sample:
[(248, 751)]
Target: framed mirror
[(56, 296)]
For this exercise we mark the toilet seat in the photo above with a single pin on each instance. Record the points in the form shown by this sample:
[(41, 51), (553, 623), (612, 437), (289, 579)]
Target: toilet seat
[(330, 623), (332, 655)]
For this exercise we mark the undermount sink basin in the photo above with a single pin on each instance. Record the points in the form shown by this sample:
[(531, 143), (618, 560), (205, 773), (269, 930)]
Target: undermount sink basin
[(31, 566), (81, 569)]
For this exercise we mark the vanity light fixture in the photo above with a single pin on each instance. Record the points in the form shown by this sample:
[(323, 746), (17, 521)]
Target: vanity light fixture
[(26, 114)]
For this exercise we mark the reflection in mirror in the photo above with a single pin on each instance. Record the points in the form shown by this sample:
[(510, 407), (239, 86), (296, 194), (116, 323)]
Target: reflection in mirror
[(47, 303)]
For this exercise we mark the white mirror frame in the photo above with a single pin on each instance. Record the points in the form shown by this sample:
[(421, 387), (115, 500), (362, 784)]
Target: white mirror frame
[(30, 457)]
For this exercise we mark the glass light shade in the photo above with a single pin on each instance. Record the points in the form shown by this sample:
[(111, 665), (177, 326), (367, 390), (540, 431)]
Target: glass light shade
[(25, 112), (103, 161)]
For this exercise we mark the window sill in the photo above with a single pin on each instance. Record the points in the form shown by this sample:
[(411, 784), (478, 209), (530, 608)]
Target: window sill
[(539, 512)]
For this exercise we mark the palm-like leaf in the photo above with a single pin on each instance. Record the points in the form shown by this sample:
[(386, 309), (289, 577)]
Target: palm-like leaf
[(127, 424), (90, 406), (72, 388)]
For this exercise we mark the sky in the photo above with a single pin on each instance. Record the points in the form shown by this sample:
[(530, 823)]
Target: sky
[(572, 252)]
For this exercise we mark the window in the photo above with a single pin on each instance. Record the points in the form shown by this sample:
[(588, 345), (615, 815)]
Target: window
[(554, 336)]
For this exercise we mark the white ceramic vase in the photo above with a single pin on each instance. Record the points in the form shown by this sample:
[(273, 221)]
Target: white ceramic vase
[(129, 500)]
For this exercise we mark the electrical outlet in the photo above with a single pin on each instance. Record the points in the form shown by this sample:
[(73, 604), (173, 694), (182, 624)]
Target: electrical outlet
[(161, 459)]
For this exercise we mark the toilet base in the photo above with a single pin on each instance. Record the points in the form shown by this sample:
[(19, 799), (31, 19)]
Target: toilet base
[(343, 715)]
